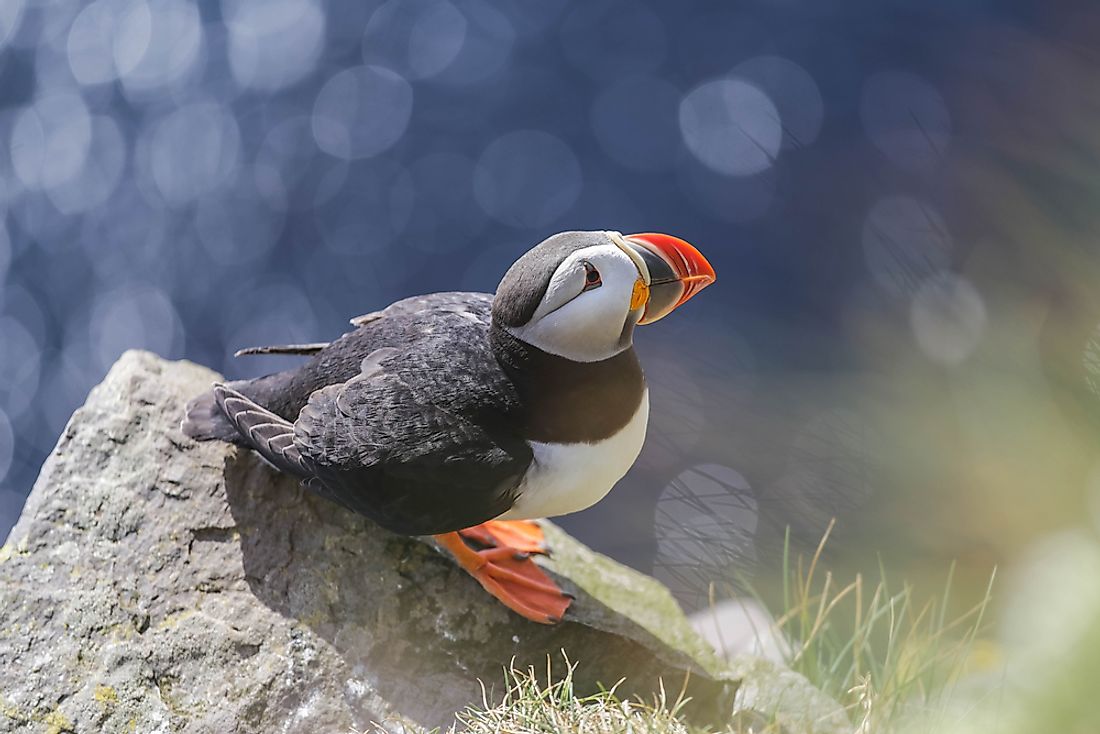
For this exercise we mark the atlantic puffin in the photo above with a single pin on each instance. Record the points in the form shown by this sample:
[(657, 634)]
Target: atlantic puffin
[(466, 416)]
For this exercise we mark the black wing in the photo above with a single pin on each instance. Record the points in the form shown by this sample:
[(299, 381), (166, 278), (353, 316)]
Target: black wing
[(457, 301), (403, 419), (286, 393), (419, 440), (298, 349)]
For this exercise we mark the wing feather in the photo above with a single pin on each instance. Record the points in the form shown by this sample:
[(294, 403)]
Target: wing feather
[(411, 440), (267, 433), (300, 349)]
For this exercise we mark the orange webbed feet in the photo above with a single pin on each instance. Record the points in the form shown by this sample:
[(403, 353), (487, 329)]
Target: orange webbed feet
[(508, 573), (523, 535)]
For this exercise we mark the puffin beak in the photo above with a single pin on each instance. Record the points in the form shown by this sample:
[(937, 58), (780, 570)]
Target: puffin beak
[(676, 272)]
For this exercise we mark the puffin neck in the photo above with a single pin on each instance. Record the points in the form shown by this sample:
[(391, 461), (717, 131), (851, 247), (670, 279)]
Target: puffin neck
[(564, 401)]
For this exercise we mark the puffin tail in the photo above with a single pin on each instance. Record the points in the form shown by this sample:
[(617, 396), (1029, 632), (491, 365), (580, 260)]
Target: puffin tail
[(204, 420)]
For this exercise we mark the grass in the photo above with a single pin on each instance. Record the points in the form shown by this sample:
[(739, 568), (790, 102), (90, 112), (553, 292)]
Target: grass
[(533, 705), (880, 651)]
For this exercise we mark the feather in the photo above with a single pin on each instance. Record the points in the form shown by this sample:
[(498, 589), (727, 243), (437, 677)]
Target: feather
[(303, 349), (271, 436)]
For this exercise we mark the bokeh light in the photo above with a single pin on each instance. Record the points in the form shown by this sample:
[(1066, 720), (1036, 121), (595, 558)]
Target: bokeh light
[(361, 112), (11, 13), (25, 314), (486, 48), (905, 241), (827, 470), (1055, 573), (705, 522), (133, 317), (1090, 360), (20, 364), (731, 126), (50, 140), (192, 151), (158, 44), (273, 43), (5, 255), (7, 445), (291, 173), (100, 172), (906, 119), (133, 33), (91, 41), (948, 317), (416, 38), (793, 92)]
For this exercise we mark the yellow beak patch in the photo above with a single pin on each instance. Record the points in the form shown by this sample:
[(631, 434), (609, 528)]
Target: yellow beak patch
[(640, 295)]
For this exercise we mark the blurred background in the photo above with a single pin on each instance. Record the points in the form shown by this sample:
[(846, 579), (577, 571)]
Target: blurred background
[(900, 199)]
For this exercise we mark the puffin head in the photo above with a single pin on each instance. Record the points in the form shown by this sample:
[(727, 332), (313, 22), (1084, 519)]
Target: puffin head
[(579, 294)]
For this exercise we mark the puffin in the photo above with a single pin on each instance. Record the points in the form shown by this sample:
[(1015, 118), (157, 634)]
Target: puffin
[(469, 416)]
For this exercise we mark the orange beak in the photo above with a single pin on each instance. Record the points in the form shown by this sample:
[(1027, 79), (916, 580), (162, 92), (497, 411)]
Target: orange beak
[(677, 271)]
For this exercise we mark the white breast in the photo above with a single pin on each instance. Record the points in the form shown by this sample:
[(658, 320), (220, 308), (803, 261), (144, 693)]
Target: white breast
[(567, 477)]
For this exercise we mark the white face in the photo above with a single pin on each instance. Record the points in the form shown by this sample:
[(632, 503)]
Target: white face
[(585, 314)]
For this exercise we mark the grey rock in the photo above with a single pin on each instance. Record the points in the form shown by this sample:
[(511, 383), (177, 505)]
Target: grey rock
[(742, 632), (154, 584), (741, 626), (784, 696)]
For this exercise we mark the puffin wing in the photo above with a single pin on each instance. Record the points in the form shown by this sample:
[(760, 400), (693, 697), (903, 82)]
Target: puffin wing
[(477, 304), (455, 301), (418, 440)]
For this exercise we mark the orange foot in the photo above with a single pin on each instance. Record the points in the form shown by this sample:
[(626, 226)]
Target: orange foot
[(511, 576), (522, 535)]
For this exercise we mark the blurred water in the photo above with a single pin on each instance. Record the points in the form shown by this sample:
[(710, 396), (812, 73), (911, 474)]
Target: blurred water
[(898, 198)]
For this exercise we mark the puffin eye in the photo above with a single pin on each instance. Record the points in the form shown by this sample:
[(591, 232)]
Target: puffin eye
[(591, 277)]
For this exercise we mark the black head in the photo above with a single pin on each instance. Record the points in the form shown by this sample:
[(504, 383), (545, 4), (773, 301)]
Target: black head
[(580, 294), (522, 288)]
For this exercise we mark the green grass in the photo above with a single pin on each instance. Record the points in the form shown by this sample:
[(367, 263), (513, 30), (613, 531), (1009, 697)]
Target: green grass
[(880, 650)]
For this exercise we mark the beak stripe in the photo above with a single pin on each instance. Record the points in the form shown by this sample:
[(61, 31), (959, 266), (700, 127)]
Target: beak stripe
[(639, 263)]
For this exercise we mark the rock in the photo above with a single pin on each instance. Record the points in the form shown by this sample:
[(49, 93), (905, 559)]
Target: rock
[(744, 633), (735, 627), (154, 584), (786, 697)]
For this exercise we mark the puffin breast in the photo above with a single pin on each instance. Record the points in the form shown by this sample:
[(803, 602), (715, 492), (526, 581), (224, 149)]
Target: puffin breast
[(569, 477)]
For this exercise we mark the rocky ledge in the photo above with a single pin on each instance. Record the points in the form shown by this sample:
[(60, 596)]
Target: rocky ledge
[(154, 584)]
